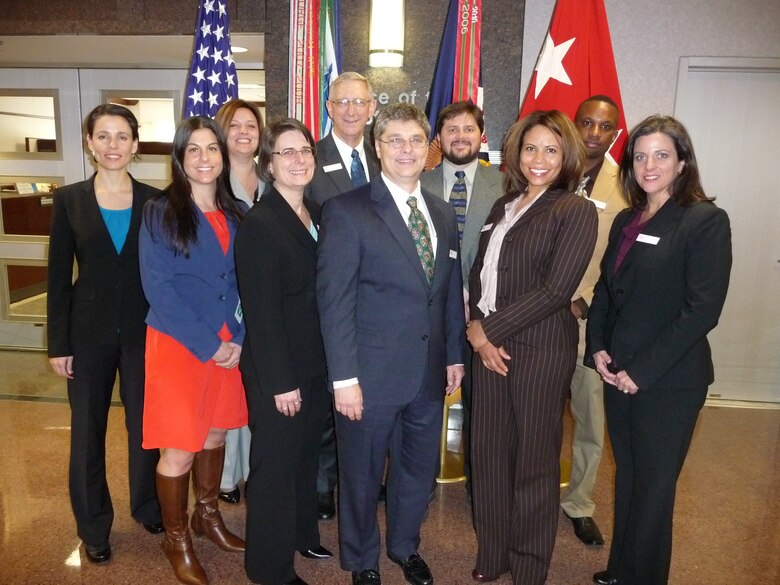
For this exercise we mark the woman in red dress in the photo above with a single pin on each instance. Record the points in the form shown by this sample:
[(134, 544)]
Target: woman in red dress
[(195, 331)]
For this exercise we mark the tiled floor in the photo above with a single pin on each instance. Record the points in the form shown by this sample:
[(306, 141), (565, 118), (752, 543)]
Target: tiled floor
[(727, 527)]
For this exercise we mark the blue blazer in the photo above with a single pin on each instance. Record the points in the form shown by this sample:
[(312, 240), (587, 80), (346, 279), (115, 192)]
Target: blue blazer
[(190, 298), (381, 320)]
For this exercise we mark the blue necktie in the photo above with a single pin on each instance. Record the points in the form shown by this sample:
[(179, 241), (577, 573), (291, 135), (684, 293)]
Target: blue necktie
[(458, 201), (356, 171)]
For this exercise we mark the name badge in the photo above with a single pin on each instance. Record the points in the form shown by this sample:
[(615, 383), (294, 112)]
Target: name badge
[(453, 254), (486, 228), (597, 203), (331, 168), (239, 315), (645, 239)]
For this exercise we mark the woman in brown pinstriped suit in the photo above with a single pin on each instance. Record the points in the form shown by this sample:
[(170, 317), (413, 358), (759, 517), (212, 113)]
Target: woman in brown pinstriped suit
[(533, 251)]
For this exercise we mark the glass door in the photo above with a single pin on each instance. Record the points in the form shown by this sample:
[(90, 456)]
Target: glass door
[(40, 149)]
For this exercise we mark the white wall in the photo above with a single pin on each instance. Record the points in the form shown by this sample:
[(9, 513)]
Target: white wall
[(648, 39)]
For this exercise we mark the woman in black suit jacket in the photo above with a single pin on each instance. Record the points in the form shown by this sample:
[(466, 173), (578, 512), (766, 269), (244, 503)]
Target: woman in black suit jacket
[(664, 279), (283, 362), (96, 325), (534, 248)]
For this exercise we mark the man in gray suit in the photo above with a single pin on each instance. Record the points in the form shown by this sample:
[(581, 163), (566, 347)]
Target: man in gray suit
[(345, 161), (471, 186)]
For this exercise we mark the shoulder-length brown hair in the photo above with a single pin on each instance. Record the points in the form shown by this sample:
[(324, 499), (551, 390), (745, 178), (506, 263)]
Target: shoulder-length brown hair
[(572, 150), (225, 116), (686, 187)]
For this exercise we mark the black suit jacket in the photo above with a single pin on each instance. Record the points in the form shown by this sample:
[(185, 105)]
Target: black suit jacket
[(276, 263), (326, 185), (107, 298), (652, 315)]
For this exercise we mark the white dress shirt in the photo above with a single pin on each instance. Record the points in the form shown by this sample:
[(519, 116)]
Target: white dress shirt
[(345, 151), (488, 276)]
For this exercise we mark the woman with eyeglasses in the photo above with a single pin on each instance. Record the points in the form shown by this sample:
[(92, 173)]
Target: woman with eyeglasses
[(283, 362)]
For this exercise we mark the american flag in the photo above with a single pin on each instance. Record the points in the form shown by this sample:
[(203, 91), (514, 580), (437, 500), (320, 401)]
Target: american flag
[(213, 79)]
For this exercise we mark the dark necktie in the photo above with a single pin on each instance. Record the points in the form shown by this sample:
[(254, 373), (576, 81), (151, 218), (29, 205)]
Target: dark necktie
[(458, 201), (356, 171), (422, 237)]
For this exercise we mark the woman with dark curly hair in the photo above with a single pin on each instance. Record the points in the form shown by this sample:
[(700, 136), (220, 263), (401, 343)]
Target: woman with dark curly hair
[(195, 332)]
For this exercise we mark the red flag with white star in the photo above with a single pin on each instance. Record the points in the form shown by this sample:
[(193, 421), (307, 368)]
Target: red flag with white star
[(576, 62)]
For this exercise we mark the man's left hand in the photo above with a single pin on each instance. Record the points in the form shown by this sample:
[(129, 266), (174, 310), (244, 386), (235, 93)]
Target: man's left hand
[(454, 378)]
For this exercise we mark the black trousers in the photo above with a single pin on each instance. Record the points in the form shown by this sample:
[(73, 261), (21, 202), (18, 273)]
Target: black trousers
[(650, 433), (89, 393), (281, 495)]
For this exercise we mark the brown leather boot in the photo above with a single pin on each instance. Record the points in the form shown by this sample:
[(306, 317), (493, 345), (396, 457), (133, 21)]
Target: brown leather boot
[(206, 519), (177, 544)]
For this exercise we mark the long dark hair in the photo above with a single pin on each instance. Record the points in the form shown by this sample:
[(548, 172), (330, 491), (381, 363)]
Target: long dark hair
[(180, 214), (572, 151), (686, 187)]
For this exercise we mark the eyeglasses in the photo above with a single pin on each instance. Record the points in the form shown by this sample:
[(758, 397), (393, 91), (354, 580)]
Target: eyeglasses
[(344, 103), (397, 143), (289, 153)]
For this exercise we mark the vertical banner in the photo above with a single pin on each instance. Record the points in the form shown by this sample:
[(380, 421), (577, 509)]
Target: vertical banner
[(213, 79), (575, 63), (315, 60)]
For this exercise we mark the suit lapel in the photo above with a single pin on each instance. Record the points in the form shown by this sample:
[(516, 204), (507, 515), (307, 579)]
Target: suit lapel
[(289, 220), (131, 241), (93, 209), (537, 207), (439, 221), (329, 155), (659, 225), (388, 211)]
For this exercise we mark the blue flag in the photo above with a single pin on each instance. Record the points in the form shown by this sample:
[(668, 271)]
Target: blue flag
[(213, 79), (440, 95)]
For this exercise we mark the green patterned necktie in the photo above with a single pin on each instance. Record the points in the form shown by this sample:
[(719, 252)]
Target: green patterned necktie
[(422, 237)]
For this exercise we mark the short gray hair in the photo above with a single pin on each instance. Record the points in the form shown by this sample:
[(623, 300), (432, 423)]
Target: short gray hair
[(352, 76)]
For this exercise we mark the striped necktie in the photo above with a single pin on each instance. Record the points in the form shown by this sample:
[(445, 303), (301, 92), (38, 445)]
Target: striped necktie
[(458, 201), (357, 173), (422, 237)]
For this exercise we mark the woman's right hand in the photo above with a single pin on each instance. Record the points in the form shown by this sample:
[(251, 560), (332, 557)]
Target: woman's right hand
[(603, 359), (62, 366)]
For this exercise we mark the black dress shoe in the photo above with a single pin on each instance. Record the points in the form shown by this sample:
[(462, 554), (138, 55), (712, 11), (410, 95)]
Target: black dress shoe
[(367, 577), (320, 553), (604, 578), (231, 497), (415, 569), (326, 505), (98, 554), (153, 527), (296, 581), (587, 530)]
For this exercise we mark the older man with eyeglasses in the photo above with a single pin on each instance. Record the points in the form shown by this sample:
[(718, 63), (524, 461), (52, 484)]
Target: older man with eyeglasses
[(389, 293), (344, 161)]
